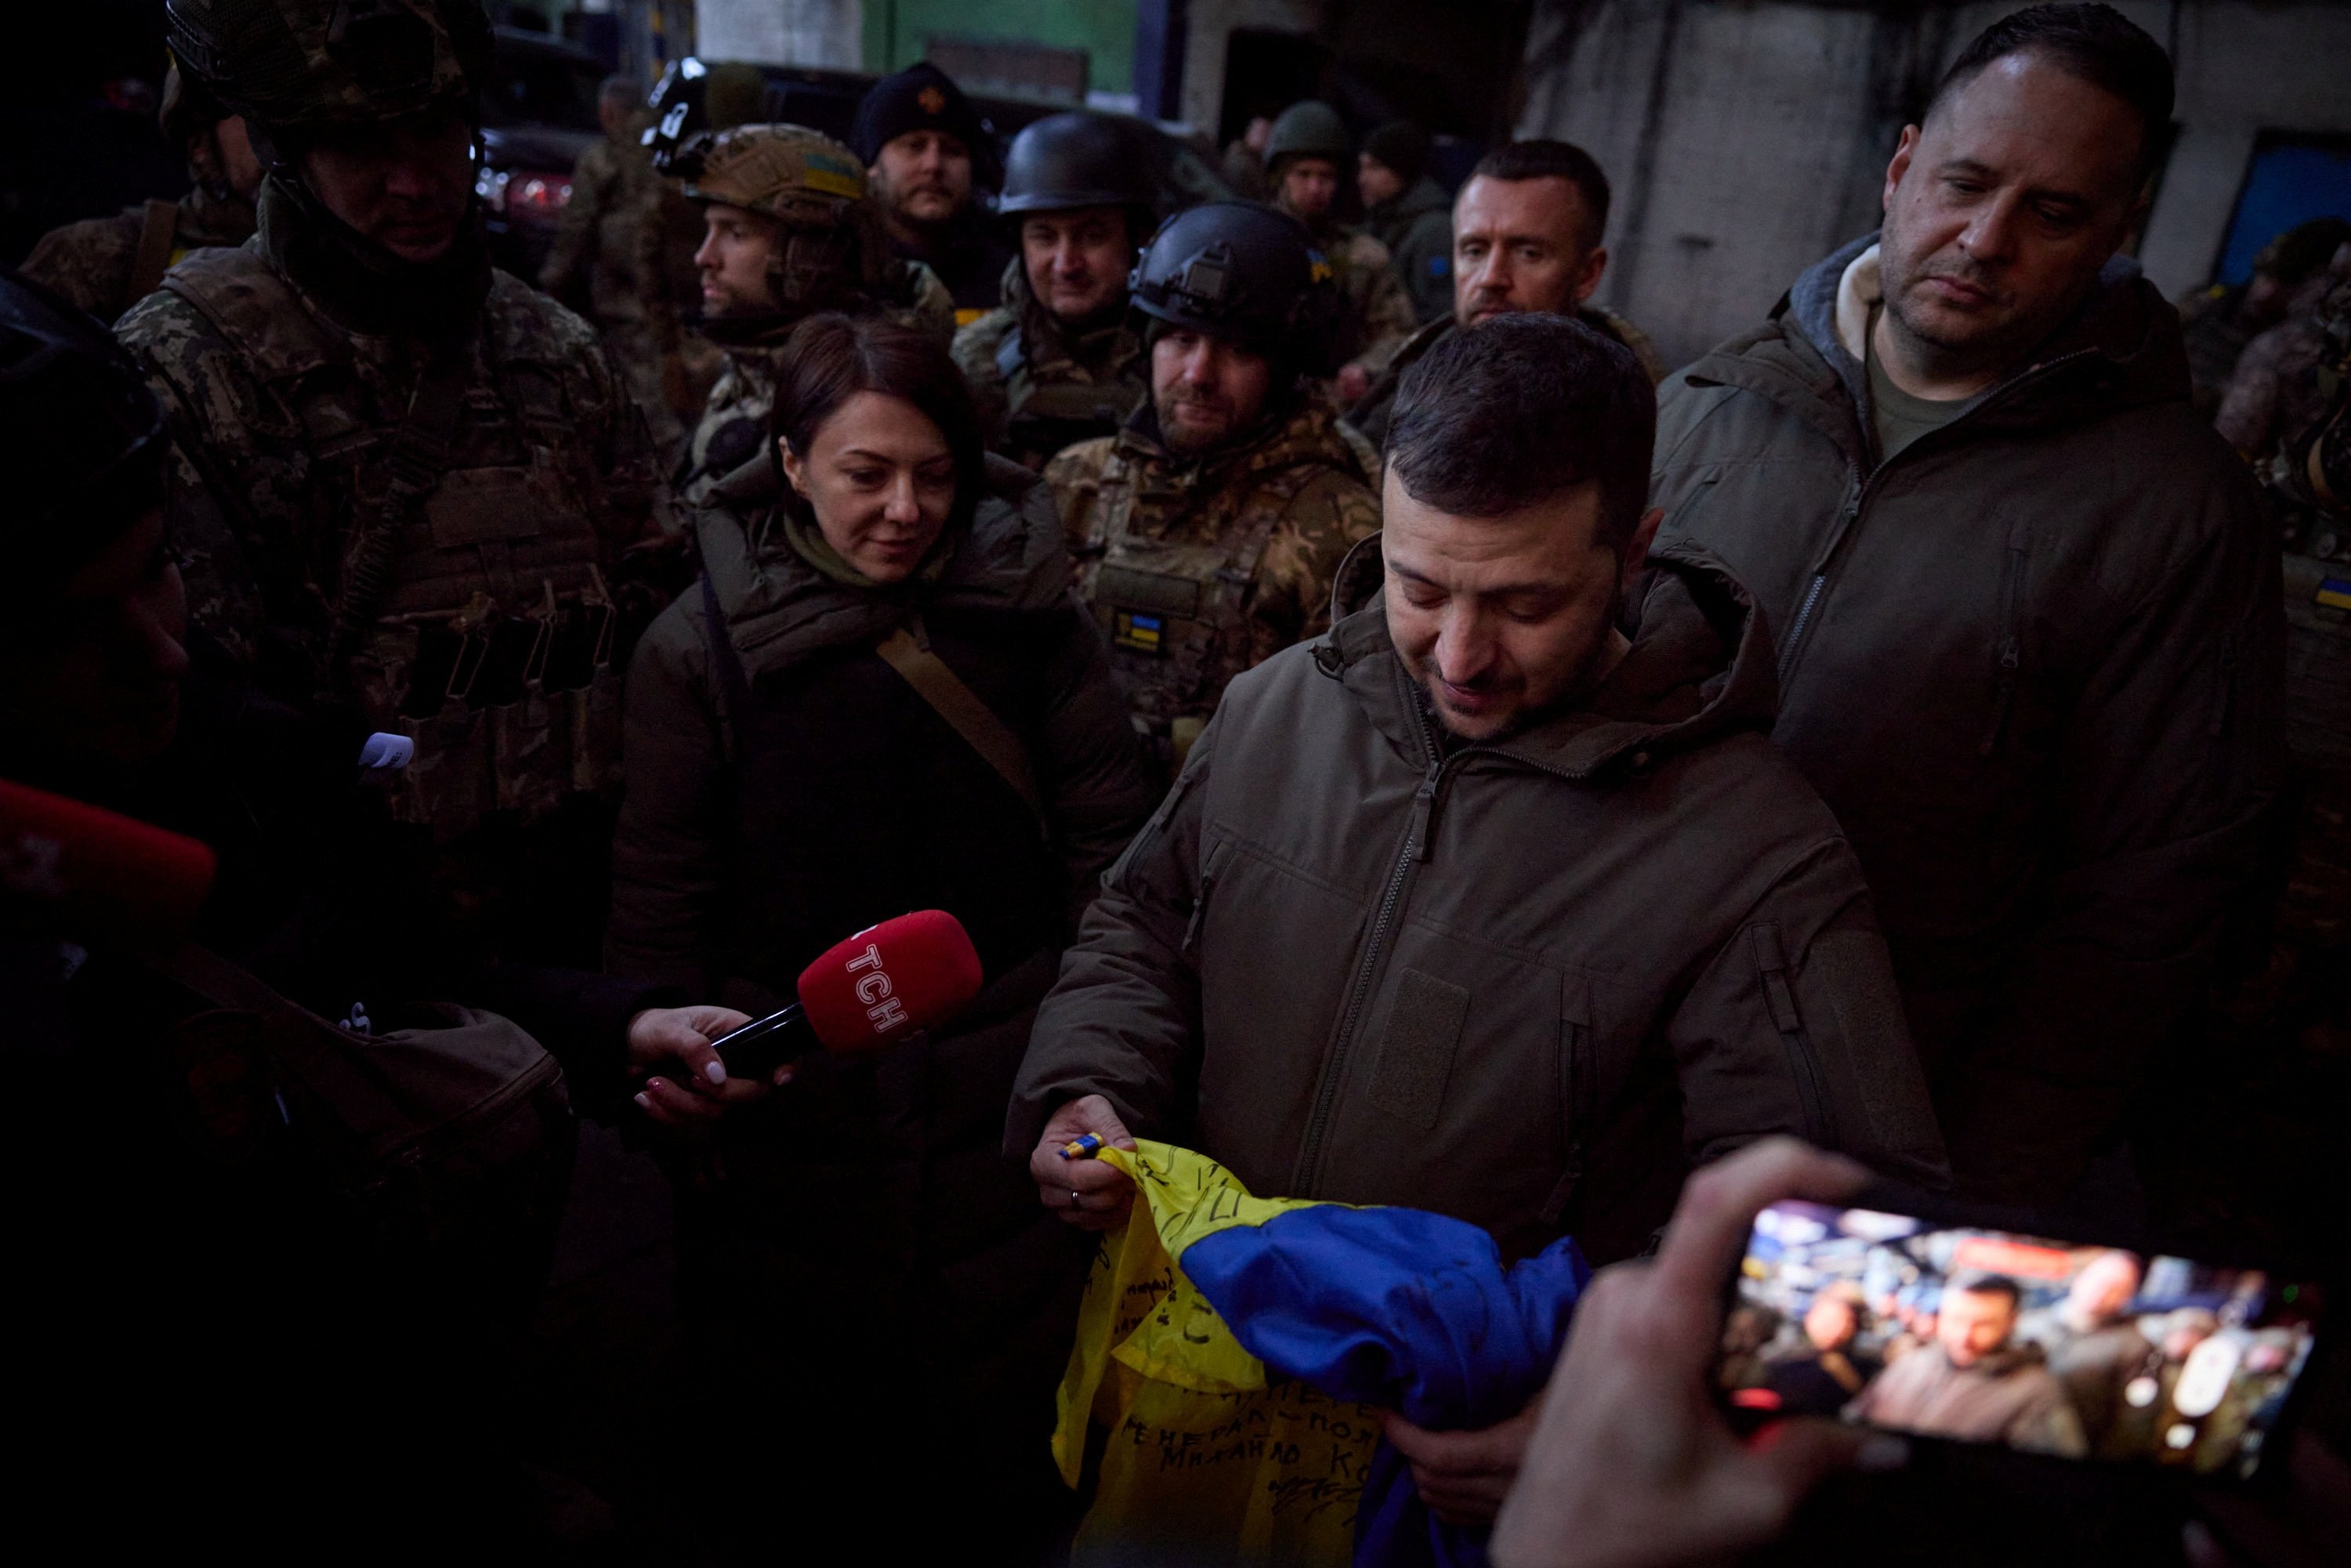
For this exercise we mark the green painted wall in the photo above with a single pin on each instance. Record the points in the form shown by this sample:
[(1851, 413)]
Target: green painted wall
[(894, 31)]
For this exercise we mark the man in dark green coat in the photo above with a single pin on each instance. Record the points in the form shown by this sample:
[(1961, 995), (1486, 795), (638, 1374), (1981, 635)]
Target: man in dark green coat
[(1478, 904), (2027, 612)]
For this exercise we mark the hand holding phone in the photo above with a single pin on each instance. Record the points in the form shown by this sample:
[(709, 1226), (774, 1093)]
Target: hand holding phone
[(1688, 1491), (1962, 1332)]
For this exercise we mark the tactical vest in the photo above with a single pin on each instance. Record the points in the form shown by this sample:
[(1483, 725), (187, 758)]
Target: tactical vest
[(489, 643), (1176, 613), (1046, 414), (734, 425)]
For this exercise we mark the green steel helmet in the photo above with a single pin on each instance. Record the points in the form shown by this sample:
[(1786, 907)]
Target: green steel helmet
[(1243, 272), (1307, 130), (305, 64), (1080, 159)]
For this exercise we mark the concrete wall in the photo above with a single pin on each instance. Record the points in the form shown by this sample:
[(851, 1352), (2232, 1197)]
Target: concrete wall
[(1745, 138), (1210, 23), (782, 32), (895, 31)]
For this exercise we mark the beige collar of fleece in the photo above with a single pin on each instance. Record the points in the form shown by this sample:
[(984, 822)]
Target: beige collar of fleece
[(1858, 292)]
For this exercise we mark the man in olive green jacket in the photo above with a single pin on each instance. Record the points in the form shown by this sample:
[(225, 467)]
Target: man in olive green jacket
[(2028, 614), (1476, 906)]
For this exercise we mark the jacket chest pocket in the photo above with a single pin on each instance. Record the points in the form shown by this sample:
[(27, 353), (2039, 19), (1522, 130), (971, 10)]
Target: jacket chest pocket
[(1578, 1091)]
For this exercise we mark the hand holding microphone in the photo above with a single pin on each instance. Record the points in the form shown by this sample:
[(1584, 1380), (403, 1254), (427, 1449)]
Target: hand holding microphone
[(885, 984)]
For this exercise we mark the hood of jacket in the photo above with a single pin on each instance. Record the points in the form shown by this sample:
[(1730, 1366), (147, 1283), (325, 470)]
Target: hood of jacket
[(1011, 558), (1423, 196), (1700, 667), (2121, 348)]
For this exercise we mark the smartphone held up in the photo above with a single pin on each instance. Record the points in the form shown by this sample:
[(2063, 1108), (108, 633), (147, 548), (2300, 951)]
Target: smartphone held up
[(1986, 1336)]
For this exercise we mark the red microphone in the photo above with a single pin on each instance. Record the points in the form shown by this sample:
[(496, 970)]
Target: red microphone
[(74, 870), (864, 995)]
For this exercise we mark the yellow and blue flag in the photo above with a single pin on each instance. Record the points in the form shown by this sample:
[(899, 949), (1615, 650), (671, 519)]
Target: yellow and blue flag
[(1234, 1351)]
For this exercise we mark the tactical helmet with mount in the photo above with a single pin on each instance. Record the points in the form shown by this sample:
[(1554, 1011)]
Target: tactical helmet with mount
[(1079, 158), (1243, 272), (1307, 130), (318, 65), (831, 250)]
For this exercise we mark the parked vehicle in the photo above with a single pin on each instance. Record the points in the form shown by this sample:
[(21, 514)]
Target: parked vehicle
[(539, 114)]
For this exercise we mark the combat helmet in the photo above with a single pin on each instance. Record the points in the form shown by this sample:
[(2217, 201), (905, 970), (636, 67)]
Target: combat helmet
[(1080, 159), (692, 98), (832, 251), (189, 109), (315, 64), (1243, 272), (1307, 130)]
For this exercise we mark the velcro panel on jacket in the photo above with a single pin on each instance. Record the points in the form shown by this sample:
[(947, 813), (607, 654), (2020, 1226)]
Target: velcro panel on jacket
[(1872, 1051), (1415, 1055), (1163, 592)]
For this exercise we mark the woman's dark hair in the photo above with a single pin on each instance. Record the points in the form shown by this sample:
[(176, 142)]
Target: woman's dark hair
[(1511, 411), (831, 358)]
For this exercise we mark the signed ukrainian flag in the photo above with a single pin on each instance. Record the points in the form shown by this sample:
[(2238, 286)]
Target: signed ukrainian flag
[(1232, 1352)]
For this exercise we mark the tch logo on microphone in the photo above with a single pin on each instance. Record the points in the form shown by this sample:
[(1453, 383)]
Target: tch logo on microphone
[(882, 1006), (889, 982)]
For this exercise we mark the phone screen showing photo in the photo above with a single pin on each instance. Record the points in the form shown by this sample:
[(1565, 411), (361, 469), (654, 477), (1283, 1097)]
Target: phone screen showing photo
[(1986, 1336)]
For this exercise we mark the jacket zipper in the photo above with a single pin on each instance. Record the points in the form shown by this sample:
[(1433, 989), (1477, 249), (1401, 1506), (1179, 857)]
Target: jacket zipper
[(1865, 482), (1780, 998), (1326, 1092), (1416, 847), (1579, 1091), (2010, 649)]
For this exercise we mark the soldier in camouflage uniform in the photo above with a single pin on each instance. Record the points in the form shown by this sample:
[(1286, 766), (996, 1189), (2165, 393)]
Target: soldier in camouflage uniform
[(595, 265), (1208, 531), (691, 102), (107, 264), (404, 483), (791, 233), (1059, 362), (1305, 158), (1528, 223), (2217, 322)]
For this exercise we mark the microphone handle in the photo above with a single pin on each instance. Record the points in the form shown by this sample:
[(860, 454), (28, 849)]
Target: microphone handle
[(761, 1046)]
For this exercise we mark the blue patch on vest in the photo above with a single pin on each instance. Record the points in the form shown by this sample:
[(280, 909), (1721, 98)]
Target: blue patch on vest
[(1440, 267)]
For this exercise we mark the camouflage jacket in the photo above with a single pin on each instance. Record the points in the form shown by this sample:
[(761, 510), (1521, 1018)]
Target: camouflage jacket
[(1370, 415), (1376, 313), (1199, 569), (1041, 389), (734, 418), (489, 637), (598, 247), (95, 263), (2213, 326)]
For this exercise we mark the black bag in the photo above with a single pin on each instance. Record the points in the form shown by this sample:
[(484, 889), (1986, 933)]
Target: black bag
[(436, 1153)]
